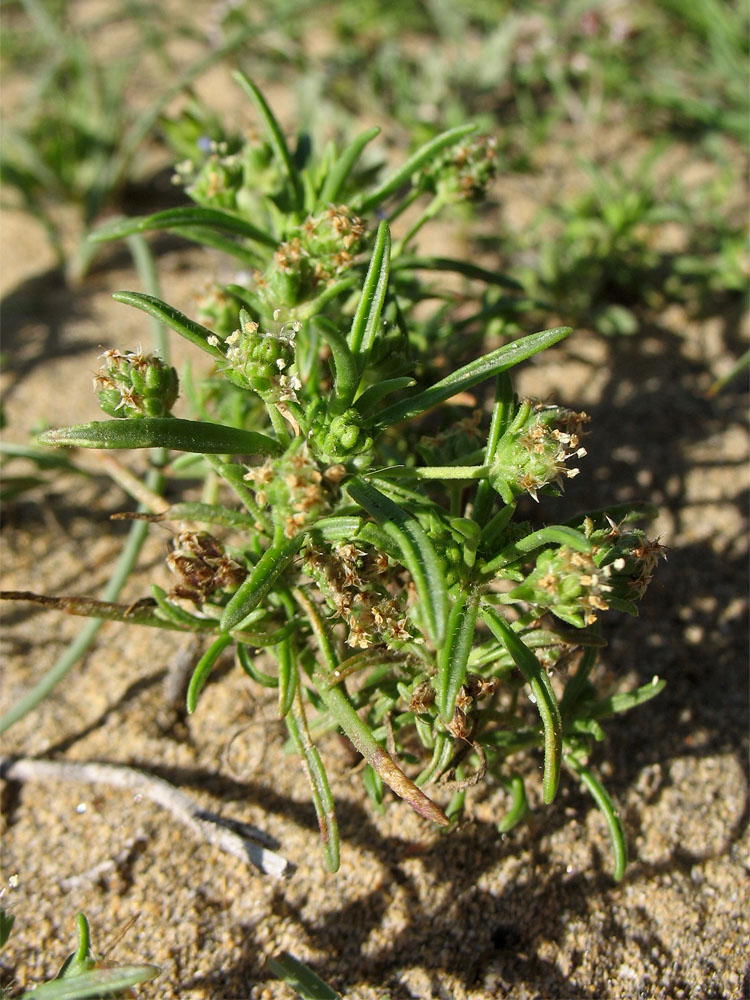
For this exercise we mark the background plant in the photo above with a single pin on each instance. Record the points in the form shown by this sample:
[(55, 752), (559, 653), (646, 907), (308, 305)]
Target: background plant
[(375, 556)]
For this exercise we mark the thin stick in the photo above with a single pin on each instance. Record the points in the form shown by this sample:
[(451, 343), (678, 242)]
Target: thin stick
[(205, 825)]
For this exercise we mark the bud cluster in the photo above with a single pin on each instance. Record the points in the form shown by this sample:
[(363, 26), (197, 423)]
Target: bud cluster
[(135, 384), (233, 181), (262, 361), (533, 451), (462, 172), (342, 438)]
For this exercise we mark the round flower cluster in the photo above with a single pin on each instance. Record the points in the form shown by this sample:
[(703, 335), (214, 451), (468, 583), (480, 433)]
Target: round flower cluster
[(291, 487), (577, 586), (461, 172), (312, 256), (533, 451), (135, 384)]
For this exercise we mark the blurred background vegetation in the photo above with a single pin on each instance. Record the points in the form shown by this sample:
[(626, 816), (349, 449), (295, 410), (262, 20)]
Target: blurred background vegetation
[(622, 127)]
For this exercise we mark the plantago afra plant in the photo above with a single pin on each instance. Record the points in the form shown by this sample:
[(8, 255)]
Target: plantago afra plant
[(370, 544)]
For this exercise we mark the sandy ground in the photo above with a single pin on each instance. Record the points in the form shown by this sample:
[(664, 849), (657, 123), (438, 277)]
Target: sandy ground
[(412, 913)]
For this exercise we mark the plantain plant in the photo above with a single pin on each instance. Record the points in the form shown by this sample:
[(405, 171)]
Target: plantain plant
[(368, 559)]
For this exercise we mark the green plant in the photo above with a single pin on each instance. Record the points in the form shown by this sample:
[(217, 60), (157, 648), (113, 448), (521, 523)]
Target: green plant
[(373, 546), (82, 975)]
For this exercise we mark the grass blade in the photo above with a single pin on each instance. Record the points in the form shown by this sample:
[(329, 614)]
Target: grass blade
[(275, 135), (301, 978), (251, 591), (340, 170), (296, 724), (611, 815), (204, 667)]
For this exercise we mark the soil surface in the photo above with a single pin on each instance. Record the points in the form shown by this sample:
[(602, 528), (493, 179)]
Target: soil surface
[(412, 913)]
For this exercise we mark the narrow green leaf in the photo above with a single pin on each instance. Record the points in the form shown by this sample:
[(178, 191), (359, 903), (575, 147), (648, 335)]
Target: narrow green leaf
[(174, 319), (177, 218), (367, 317), (340, 170), (519, 803), (342, 710), (301, 978), (275, 135), (611, 815), (94, 984), (469, 375), (196, 436), (454, 655), (466, 268), (208, 513), (372, 395), (336, 529), (417, 551), (139, 613), (174, 613), (346, 375), (217, 240), (203, 669), (251, 591), (403, 174), (325, 809), (553, 534), (288, 676), (623, 702), (247, 663), (544, 695)]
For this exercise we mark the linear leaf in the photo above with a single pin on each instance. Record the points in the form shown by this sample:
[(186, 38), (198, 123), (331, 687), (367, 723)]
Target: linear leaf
[(469, 375), (325, 809), (177, 218), (607, 807), (301, 978), (251, 591), (275, 135), (374, 393), (544, 695), (466, 268), (454, 655), (404, 173), (174, 433), (555, 534), (174, 319), (346, 375), (340, 170), (367, 316), (93, 983), (417, 551), (204, 667)]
